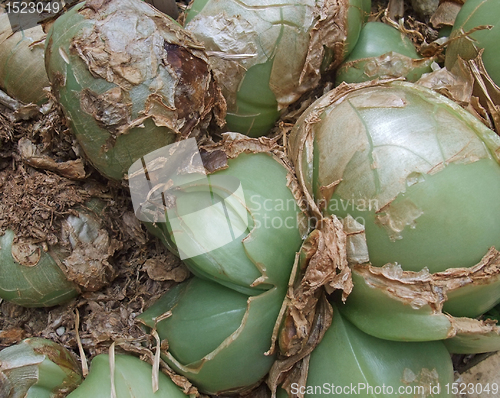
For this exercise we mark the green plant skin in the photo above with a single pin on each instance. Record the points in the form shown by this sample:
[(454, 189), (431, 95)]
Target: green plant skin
[(377, 39), (222, 334), (39, 368), (22, 69), (476, 13), (220, 315), (347, 355), (43, 285), (453, 212), (256, 106), (374, 309), (132, 377), (377, 313), (356, 14), (416, 212), (468, 343), (272, 223), (473, 300)]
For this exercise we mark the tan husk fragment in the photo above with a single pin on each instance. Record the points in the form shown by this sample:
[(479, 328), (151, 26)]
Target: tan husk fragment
[(469, 84), (386, 66), (329, 32), (418, 289), (446, 13), (321, 266), (72, 169)]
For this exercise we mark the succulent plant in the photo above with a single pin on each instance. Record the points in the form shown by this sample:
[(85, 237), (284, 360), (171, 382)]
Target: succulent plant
[(382, 51), (37, 368), (476, 14), (33, 274), (31, 277), (22, 69), (414, 178), (350, 362), (217, 337), (130, 80), (130, 377), (226, 225), (266, 55)]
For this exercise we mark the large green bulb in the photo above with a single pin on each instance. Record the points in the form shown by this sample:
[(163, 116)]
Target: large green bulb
[(382, 52), (418, 173), (265, 55)]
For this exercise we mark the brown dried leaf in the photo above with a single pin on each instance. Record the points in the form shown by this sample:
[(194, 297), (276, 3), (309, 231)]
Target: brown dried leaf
[(72, 169), (486, 89), (446, 13), (329, 32), (133, 228), (34, 203), (165, 271), (11, 336), (320, 266), (298, 376), (286, 370), (395, 10)]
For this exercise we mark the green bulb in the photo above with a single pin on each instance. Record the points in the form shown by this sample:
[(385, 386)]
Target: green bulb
[(380, 52), (476, 13)]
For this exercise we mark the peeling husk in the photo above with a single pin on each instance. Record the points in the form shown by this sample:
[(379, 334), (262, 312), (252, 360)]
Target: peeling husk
[(325, 27), (320, 267), (142, 82), (39, 363), (393, 304), (388, 302)]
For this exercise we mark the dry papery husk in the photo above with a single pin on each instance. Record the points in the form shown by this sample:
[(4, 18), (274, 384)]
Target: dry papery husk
[(446, 13), (469, 84), (320, 268)]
